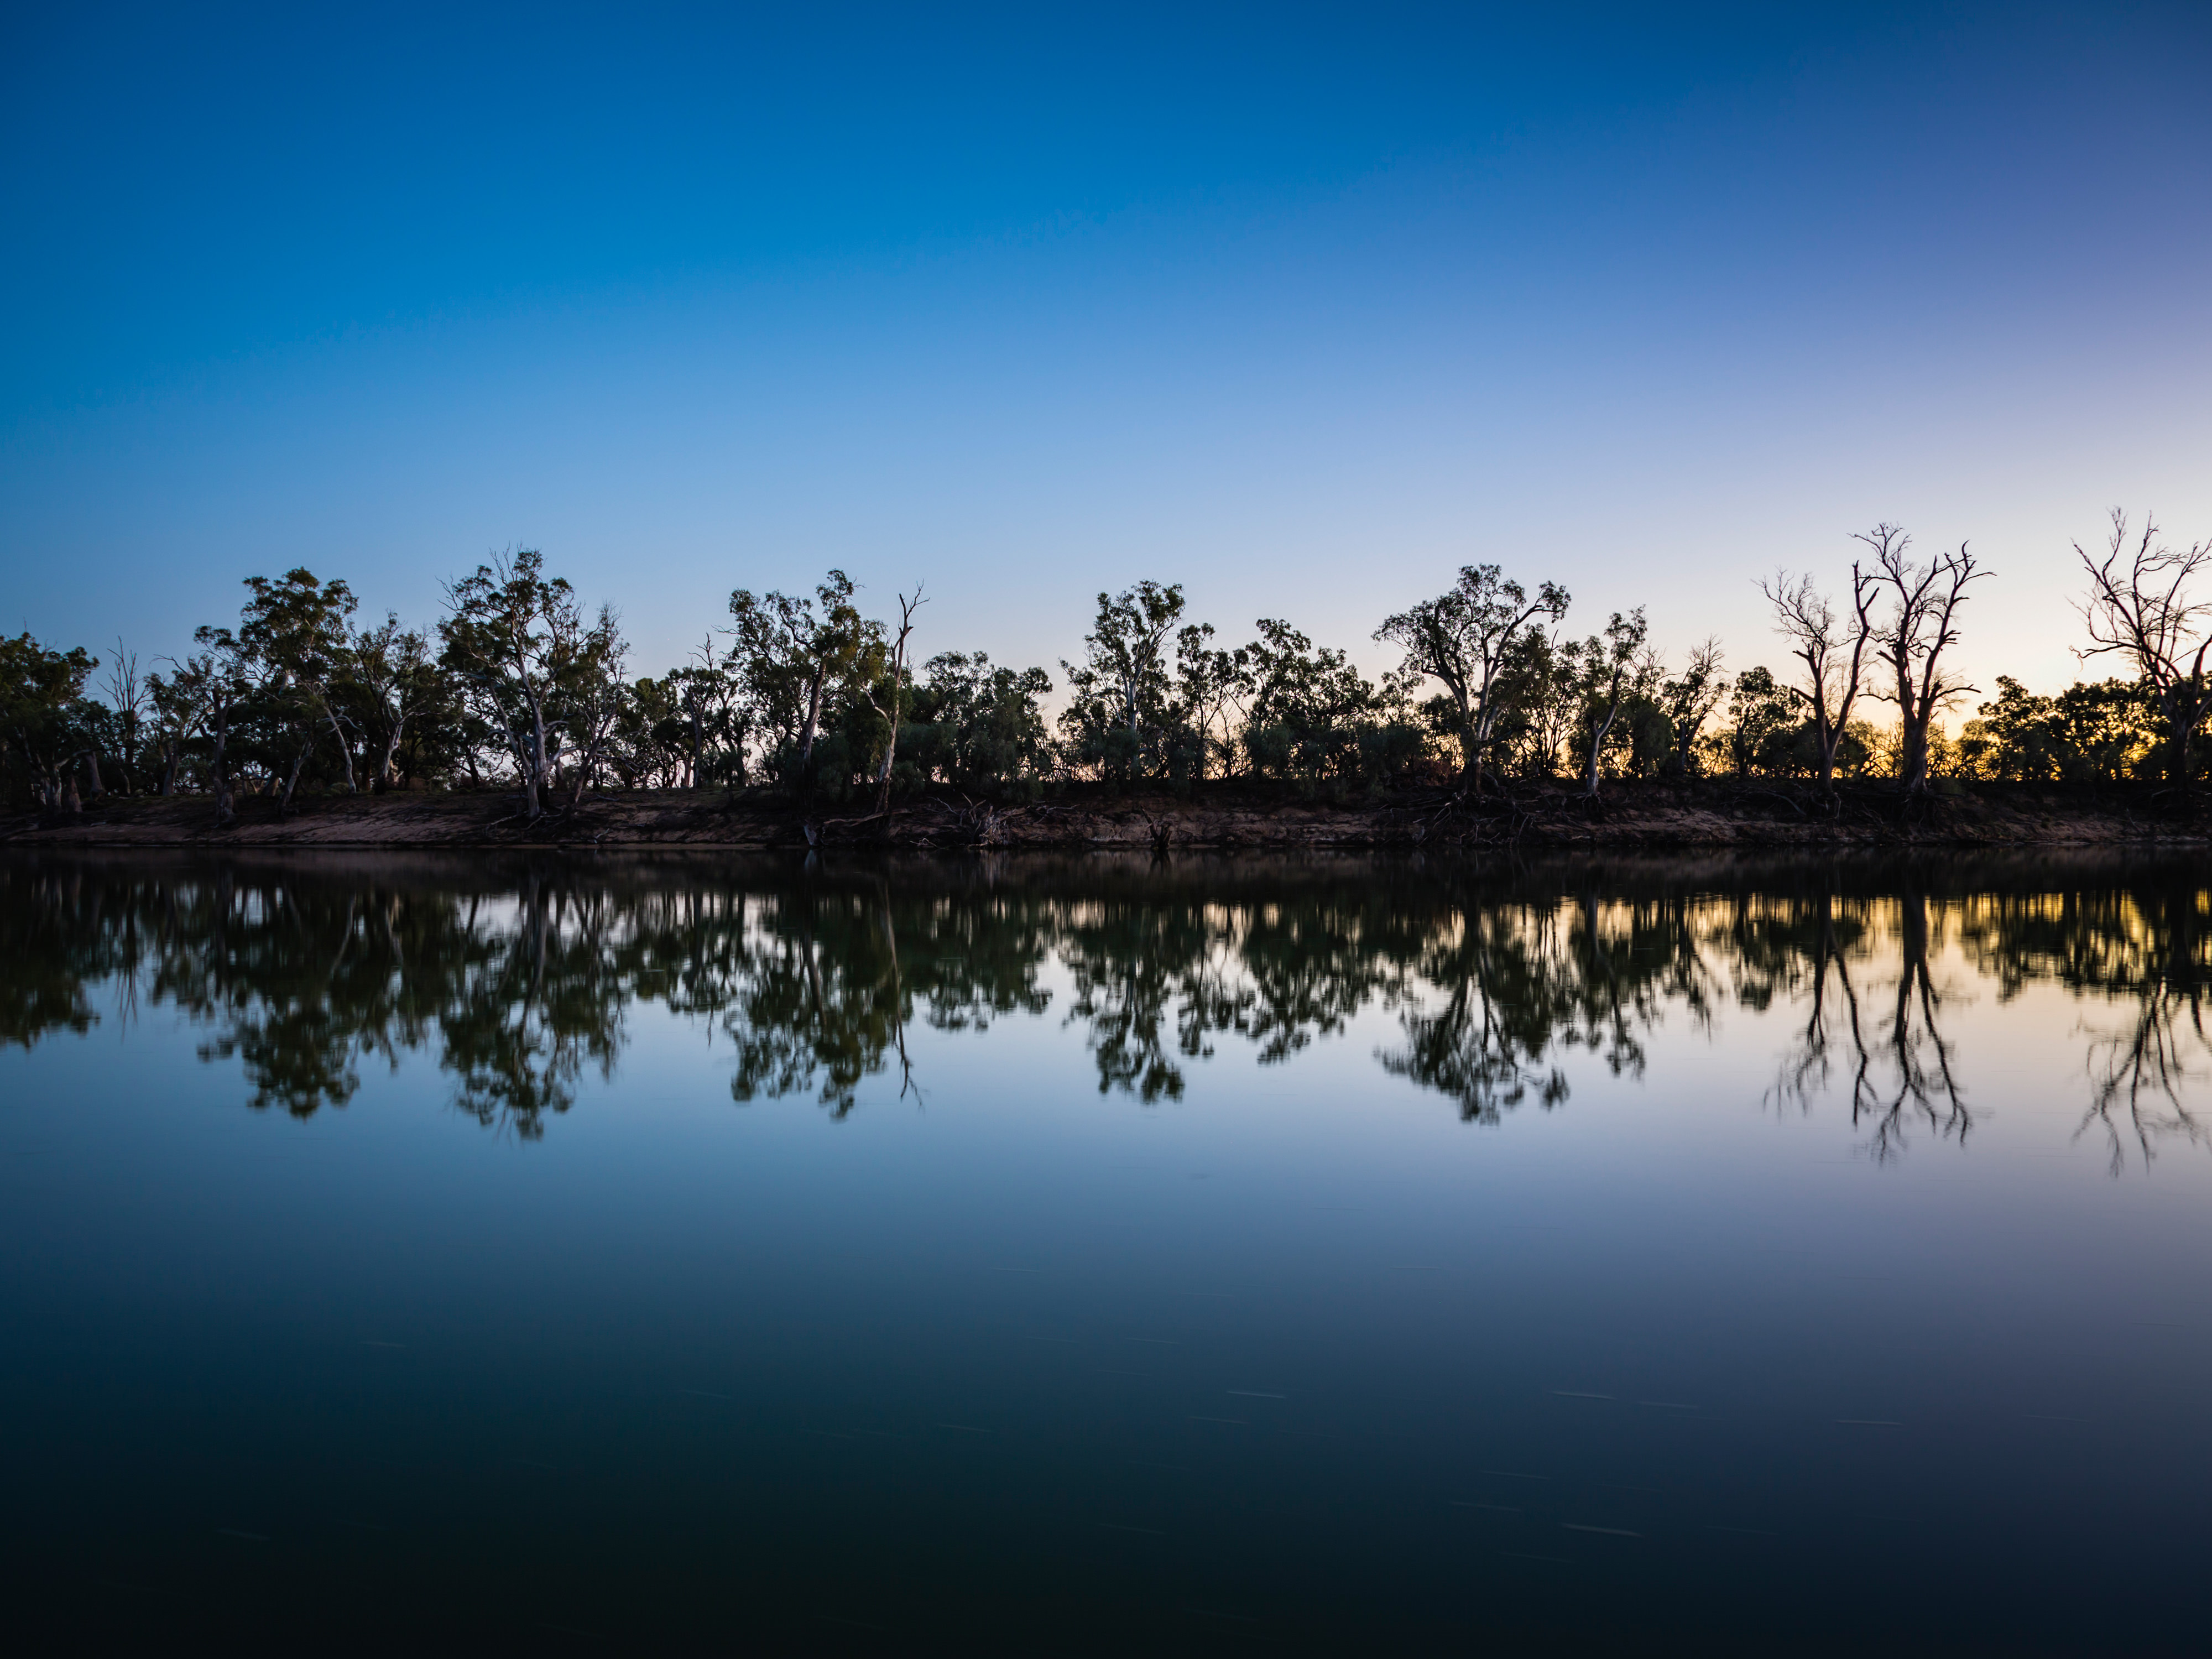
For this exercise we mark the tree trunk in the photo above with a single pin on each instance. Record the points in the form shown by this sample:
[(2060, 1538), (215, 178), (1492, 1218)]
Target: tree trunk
[(387, 774), (813, 717), (225, 815), (534, 771), (1600, 731), (292, 782), (1912, 752), (345, 752), (891, 751)]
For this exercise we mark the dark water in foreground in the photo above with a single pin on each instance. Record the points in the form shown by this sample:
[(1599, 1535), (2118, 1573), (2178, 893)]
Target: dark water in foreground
[(1095, 1256)]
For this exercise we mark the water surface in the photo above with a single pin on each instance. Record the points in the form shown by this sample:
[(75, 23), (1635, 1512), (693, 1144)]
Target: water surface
[(1065, 1255)]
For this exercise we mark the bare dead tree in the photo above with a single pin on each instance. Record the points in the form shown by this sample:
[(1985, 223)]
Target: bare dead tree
[(908, 605), (128, 694), (1911, 643), (1833, 649), (2139, 608)]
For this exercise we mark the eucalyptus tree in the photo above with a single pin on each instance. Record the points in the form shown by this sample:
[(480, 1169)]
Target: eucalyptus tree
[(41, 721), (1209, 683), (2140, 608), (395, 683), (1832, 647), (1310, 705), (1922, 625), (528, 662), (294, 633), (1688, 700), (1605, 677), (1123, 694), (1762, 715), (979, 725), (1464, 639), (711, 702), (793, 656), (177, 710), (219, 680)]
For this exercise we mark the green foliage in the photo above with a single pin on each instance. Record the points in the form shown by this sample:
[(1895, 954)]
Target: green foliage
[(45, 722), (546, 683), (1468, 639), (1121, 702), (2100, 732), (978, 727)]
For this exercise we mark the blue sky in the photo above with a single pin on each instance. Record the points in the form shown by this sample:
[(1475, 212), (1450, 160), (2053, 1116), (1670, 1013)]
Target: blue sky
[(1301, 307)]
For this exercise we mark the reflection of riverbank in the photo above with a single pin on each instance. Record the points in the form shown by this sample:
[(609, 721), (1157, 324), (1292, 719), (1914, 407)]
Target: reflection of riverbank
[(518, 972), (1221, 816)]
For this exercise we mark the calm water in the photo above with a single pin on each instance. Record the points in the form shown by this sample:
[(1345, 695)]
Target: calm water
[(1068, 1256)]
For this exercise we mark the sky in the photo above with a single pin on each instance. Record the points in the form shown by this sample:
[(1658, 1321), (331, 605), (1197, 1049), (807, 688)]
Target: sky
[(1301, 307)]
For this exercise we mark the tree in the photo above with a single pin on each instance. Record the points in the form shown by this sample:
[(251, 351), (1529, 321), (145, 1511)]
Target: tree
[(39, 691), (591, 701), (178, 709), (1833, 651), (220, 680), (793, 655), (1605, 678), (1761, 717), (979, 725), (1688, 700), (710, 696), (294, 633), (908, 605), (1310, 705), (1922, 626), (2018, 737), (1123, 696), (1208, 683), (1463, 639), (128, 694), (391, 673), (2143, 613), (526, 659)]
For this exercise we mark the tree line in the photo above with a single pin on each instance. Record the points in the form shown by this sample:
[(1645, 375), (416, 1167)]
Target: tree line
[(519, 686)]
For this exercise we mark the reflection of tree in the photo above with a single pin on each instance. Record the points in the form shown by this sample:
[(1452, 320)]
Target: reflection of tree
[(517, 977), (1902, 1071), (2137, 1076), (1130, 961), (523, 1014), (2144, 945), (55, 931), (1519, 982), (1505, 1001), (1921, 1085)]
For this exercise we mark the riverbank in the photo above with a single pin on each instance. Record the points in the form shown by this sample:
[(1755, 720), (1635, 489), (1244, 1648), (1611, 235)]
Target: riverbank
[(1219, 817)]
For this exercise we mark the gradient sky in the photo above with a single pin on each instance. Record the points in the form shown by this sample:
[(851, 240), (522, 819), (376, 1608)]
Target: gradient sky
[(1301, 307)]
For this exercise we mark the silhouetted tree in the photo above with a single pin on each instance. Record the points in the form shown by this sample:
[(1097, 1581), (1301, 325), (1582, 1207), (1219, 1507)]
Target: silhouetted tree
[(1833, 649), (1464, 639), (2144, 612), (1923, 624)]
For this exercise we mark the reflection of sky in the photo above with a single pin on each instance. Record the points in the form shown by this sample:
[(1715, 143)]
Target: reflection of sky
[(1026, 304)]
